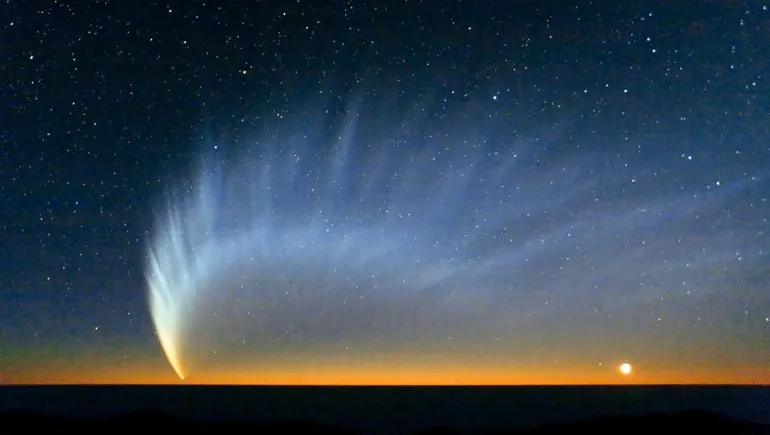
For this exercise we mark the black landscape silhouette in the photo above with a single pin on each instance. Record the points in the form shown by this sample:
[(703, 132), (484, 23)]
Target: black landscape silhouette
[(25, 422), (385, 410)]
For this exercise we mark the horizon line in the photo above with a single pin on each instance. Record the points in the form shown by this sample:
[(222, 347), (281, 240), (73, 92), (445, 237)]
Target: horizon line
[(182, 384)]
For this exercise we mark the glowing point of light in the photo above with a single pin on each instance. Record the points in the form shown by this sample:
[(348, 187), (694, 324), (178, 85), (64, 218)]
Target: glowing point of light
[(625, 368)]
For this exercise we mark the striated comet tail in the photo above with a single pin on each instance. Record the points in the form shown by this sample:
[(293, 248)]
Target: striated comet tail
[(164, 310), (167, 296), (171, 276)]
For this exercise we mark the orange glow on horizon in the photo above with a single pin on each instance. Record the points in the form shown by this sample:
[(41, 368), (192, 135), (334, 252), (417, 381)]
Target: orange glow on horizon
[(133, 365), (402, 374)]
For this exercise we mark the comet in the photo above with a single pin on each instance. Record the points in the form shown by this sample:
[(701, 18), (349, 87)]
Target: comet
[(363, 231), (266, 226)]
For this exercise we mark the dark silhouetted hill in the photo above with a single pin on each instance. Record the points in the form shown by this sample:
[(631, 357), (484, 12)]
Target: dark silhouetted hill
[(695, 422), (24, 422), (139, 422)]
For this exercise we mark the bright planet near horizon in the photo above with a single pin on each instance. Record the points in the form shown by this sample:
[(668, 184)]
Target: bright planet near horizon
[(625, 368)]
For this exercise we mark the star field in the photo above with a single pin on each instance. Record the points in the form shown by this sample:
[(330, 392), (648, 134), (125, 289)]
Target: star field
[(378, 192)]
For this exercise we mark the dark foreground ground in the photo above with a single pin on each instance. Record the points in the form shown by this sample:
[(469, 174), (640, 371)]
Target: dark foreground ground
[(696, 422), (379, 411)]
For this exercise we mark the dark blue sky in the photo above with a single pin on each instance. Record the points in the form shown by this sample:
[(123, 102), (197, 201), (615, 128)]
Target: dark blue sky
[(630, 139)]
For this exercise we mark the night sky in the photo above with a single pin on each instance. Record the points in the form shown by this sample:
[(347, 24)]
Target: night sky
[(384, 192)]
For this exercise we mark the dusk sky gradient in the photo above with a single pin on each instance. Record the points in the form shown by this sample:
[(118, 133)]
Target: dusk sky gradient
[(379, 192)]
